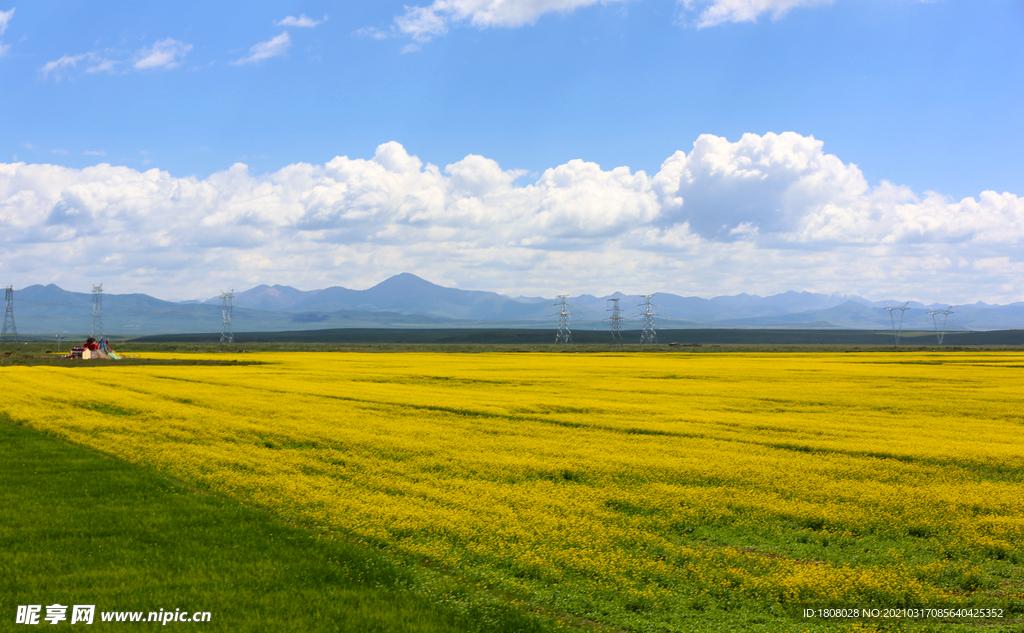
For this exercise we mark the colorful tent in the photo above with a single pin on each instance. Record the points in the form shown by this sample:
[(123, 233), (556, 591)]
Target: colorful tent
[(106, 349)]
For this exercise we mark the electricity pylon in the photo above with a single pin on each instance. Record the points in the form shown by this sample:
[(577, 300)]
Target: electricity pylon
[(97, 312), (649, 336), (10, 331), (896, 332), (564, 334), (227, 332), (616, 321), (935, 320)]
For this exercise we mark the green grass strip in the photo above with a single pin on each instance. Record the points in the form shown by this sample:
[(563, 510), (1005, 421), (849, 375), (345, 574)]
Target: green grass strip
[(80, 528)]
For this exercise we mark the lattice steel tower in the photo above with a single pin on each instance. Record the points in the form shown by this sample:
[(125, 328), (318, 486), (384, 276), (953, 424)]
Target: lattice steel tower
[(97, 312), (616, 321), (649, 336), (10, 332), (564, 334), (227, 332), (934, 314), (897, 331)]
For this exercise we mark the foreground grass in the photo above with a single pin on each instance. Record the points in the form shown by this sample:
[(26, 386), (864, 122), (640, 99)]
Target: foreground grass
[(80, 528)]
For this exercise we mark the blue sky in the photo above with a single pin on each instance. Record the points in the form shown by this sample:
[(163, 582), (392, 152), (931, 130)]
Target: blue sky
[(526, 109)]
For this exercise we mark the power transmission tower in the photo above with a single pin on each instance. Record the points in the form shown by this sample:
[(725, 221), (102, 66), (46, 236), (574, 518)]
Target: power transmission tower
[(648, 337), (935, 320), (227, 333), (97, 312), (896, 332), (616, 320), (10, 332), (564, 334)]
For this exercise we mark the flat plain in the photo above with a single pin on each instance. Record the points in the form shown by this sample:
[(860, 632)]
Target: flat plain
[(668, 492)]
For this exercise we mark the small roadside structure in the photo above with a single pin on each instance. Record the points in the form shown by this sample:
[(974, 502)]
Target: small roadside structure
[(94, 349)]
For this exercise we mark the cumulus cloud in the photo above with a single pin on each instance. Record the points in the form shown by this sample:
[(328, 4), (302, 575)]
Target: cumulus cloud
[(166, 53), (265, 50), (425, 23), (715, 12), (760, 214), (302, 21), (769, 181)]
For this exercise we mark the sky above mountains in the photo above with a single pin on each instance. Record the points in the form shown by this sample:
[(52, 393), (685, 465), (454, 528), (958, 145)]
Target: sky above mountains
[(526, 147)]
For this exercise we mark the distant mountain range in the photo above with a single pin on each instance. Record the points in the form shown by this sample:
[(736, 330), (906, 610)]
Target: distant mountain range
[(406, 300), (404, 293)]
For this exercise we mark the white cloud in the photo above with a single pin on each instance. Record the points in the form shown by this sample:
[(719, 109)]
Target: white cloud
[(94, 153), (770, 181), (58, 151), (426, 23), (102, 66), (59, 67), (93, 61), (302, 21), (760, 214), (5, 19), (376, 34), (166, 53), (716, 12), (265, 50)]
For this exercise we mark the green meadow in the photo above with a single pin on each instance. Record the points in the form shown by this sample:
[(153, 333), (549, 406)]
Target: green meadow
[(80, 528)]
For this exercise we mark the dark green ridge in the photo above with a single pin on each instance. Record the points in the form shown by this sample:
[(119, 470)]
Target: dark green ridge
[(539, 336), (80, 528)]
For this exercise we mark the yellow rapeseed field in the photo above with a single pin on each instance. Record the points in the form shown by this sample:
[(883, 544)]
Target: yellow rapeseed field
[(631, 489)]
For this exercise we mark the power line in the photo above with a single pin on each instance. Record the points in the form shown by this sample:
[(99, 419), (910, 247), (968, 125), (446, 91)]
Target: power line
[(10, 331), (935, 320), (896, 332), (227, 332), (649, 336), (616, 321), (97, 312)]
